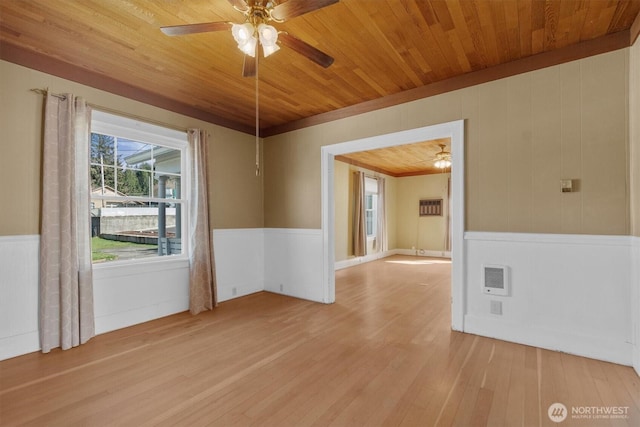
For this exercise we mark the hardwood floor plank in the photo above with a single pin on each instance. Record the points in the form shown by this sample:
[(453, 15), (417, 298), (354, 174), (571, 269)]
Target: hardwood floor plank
[(382, 355), (502, 363), (532, 409)]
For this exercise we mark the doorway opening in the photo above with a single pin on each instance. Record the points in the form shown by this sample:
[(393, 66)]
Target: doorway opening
[(453, 130)]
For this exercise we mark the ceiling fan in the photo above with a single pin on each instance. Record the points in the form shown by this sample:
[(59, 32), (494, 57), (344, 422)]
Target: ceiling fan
[(442, 159), (256, 29)]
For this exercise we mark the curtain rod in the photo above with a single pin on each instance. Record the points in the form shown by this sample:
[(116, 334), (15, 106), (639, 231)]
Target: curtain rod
[(46, 92), (114, 112)]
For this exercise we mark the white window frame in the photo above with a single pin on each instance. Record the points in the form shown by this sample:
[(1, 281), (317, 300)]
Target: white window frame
[(371, 189), (136, 130)]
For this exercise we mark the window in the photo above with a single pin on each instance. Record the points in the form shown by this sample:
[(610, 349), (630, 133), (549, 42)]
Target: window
[(371, 206), (137, 188), (370, 214)]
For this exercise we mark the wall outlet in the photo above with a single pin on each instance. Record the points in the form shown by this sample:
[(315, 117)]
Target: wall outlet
[(495, 307), (234, 291), (281, 287)]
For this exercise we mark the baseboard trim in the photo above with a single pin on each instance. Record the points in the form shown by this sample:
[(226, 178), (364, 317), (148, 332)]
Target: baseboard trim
[(241, 289), (424, 253), (123, 319), (351, 262), (19, 345)]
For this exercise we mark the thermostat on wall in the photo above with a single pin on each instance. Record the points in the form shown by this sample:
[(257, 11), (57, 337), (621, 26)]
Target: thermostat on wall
[(495, 279)]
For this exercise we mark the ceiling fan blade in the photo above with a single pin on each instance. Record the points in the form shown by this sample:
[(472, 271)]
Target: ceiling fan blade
[(179, 30), (293, 8), (305, 49), (249, 66), (239, 4)]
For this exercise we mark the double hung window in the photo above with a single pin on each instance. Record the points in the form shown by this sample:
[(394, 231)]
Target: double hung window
[(138, 188)]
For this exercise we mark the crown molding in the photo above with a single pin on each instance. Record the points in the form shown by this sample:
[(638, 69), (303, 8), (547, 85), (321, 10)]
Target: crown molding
[(46, 64), (581, 50)]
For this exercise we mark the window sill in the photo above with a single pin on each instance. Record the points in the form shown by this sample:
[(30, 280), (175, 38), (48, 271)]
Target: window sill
[(139, 266)]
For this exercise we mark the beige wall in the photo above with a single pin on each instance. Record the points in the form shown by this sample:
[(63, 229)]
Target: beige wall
[(413, 231), (235, 192), (523, 135), (634, 135)]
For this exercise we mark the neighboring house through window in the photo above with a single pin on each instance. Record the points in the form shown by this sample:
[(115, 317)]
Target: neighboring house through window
[(137, 189)]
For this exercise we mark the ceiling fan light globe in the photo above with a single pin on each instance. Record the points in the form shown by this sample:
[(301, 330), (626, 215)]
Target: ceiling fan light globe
[(268, 35), (242, 32), (441, 164), (268, 50), (249, 47)]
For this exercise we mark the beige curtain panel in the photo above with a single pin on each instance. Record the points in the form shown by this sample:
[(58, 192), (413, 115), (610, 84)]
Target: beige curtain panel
[(202, 278), (66, 288), (359, 231)]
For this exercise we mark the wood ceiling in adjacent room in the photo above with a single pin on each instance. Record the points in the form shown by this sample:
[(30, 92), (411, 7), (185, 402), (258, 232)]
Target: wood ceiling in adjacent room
[(402, 160), (386, 51)]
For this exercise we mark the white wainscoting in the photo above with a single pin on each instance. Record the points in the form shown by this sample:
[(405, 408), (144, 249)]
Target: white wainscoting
[(128, 294), (18, 295), (635, 300), (124, 294), (569, 293), (293, 262), (239, 255)]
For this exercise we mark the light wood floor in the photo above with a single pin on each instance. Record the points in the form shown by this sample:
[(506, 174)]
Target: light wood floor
[(383, 354)]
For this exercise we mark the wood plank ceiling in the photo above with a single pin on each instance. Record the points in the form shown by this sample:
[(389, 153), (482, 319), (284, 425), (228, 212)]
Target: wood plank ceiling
[(386, 51), (401, 160)]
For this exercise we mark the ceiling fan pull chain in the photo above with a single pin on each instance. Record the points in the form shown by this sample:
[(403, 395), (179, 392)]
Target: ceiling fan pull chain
[(257, 122)]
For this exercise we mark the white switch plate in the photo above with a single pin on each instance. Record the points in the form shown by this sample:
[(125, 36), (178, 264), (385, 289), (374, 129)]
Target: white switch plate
[(496, 307)]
